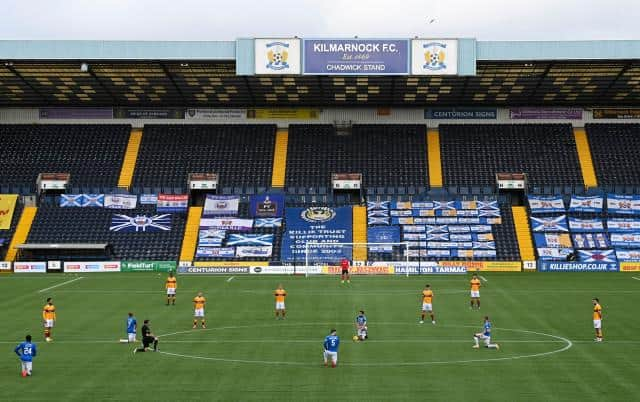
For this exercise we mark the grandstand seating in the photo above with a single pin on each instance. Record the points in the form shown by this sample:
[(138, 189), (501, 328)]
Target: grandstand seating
[(388, 156), (241, 155), (92, 154), (54, 224), (8, 233), (614, 149), (473, 154)]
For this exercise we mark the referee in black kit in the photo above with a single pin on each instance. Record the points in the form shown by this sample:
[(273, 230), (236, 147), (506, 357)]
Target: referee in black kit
[(147, 339)]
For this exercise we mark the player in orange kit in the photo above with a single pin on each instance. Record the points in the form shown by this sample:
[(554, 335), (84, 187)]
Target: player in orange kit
[(198, 310), (171, 285), (597, 319), (427, 304), (475, 291), (49, 317), (280, 295)]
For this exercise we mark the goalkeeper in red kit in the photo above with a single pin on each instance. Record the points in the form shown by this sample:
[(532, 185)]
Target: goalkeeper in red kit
[(344, 276)]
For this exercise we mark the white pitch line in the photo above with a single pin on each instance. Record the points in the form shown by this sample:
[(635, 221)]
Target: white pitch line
[(60, 284), (483, 278), (636, 278), (230, 278)]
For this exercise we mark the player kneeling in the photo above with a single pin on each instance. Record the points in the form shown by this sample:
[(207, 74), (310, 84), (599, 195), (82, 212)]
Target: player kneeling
[(330, 349), (148, 339), (485, 335)]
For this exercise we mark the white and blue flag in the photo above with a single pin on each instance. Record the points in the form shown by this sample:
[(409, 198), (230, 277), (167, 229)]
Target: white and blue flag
[(140, 223)]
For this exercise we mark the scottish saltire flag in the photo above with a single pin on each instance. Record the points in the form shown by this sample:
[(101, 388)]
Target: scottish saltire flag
[(479, 228), (540, 205), (489, 212), (93, 200), (378, 213), (71, 200), (444, 205), (597, 256), (438, 236), (414, 228), (379, 221), (267, 223), (211, 237), (550, 224), (437, 229), (586, 204), (586, 225), (552, 240), (373, 205), (625, 240), (623, 225), (484, 245), (487, 204), (623, 204), (553, 254), (628, 255), (590, 240), (461, 237), (250, 239), (140, 223), (414, 236)]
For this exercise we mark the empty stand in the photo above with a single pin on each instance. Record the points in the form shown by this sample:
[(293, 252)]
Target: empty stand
[(473, 154), (614, 149), (91, 153), (54, 224), (242, 155), (386, 155)]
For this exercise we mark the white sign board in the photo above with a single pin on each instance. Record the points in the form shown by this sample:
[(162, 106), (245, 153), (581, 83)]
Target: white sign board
[(434, 57), (277, 56)]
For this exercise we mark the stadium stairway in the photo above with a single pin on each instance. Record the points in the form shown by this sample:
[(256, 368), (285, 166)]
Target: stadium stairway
[(433, 158), (585, 158), (523, 233), (359, 232), (22, 231), (280, 158), (130, 158), (191, 229)]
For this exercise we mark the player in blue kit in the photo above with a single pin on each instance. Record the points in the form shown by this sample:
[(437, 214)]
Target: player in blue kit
[(485, 335), (331, 344), (362, 331), (27, 351), (132, 329)]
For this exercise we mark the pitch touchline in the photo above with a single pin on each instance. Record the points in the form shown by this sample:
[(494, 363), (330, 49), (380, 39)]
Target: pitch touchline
[(637, 279), (60, 284)]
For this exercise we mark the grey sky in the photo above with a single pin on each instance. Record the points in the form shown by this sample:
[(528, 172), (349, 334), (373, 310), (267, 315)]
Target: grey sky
[(231, 19)]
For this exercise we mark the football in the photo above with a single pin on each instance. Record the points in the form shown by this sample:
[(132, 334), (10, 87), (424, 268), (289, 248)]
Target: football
[(355, 338)]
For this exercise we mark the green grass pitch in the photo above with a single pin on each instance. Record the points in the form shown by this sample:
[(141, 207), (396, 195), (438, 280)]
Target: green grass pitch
[(541, 321)]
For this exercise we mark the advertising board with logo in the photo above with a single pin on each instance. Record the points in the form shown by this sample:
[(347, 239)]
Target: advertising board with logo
[(30, 267), (485, 266), (548, 266), (5, 265), (461, 113), (359, 270), (278, 56), (92, 266), (216, 114), (434, 57), (356, 56), (629, 266), (220, 270), (148, 266)]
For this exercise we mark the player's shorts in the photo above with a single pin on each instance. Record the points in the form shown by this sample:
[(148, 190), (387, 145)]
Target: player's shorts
[(279, 305), (49, 323), (131, 337), (333, 356), (147, 341), (171, 292), (427, 307), (475, 293), (345, 272), (27, 366), (362, 332), (199, 312), (597, 324)]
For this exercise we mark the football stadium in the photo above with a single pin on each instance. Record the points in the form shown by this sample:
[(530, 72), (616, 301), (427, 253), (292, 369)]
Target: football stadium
[(445, 218)]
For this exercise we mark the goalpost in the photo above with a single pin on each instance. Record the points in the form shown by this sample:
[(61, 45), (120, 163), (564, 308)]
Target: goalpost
[(322, 253)]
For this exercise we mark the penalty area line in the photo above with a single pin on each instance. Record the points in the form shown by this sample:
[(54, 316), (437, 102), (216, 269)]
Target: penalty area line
[(230, 278), (483, 278), (636, 278), (60, 284)]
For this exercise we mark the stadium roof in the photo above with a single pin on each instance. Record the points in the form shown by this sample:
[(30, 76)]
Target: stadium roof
[(217, 74)]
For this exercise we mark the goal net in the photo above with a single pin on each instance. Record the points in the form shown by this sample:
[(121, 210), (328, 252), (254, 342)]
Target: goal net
[(331, 254)]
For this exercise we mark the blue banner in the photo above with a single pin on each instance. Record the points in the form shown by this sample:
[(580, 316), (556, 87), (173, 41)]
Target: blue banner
[(379, 221), (375, 205), (623, 225), (552, 240), (549, 224), (623, 204), (461, 113), (625, 240), (211, 237), (586, 225), (586, 204), (542, 205), (140, 223), (590, 240), (267, 223), (545, 266), (383, 234), (356, 56), (318, 225), (225, 252), (597, 256), (266, 205), (250, 239)]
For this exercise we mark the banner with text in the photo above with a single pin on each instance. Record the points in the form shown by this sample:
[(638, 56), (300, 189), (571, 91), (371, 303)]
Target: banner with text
[(266, 205), (221, 205), (7, 207), (168, 203)]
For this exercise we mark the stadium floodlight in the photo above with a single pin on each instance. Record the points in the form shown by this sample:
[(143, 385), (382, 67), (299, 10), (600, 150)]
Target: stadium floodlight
[(322, 253)]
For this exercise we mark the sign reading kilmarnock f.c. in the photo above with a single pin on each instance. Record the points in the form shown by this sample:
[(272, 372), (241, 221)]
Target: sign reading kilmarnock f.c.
[(434, 57), (277, 56), (356, 56)]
